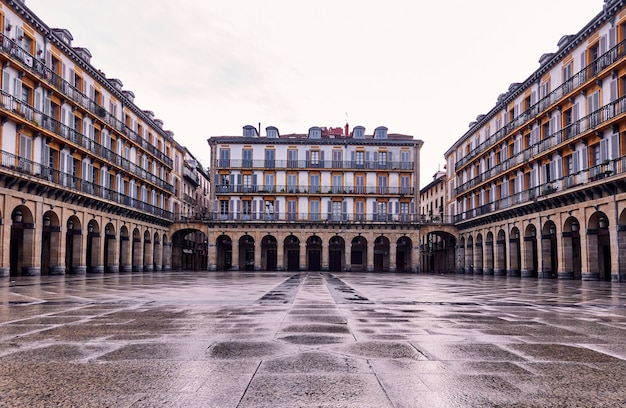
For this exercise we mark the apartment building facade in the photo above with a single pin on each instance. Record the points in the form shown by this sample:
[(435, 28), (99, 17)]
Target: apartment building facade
[(88, 179), (329, 199), (537, 184)]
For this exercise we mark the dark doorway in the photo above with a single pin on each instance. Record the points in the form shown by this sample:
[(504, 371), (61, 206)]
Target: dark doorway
[(293, 260), (314, 260), (335, 261), (272, 258)]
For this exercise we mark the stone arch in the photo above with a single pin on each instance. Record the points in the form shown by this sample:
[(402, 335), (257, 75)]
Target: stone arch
[(74, 246), (157, 253), (314, 253), (469, 255), (515, 252), (478, 255), (148, 262), (404, 251), (224, 252), (488, 254), (500, 254), (572, 255), (621, 246), (358, 253), (291, 252), (246, 245), (111, 258), (93, 246), (137, 251), (549, 253), (599, 258), (336, 253), (269, 253), (381, 254), (530, 266), (22, 243), (51, 245), (125, 260)]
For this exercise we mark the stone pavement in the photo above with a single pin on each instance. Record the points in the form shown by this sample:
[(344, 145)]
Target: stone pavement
[(310, 339)]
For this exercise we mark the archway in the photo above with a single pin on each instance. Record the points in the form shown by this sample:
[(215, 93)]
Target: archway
[(500, 255), (246, 252), (404, 247), (336, 253), (515, 253), (269, 253), (292, 253), (598, 247), (531, 260), (51, 245), (109, 261), (381, 254), (314, 253), (224, 261), (125, 250), (489, 266), (93, 248), (478, 255), (21, 243), (572, 265), (73, 246), (549, 255), (358, 254)]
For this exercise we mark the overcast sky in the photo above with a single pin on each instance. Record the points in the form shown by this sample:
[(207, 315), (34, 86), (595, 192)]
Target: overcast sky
[(423, 68)]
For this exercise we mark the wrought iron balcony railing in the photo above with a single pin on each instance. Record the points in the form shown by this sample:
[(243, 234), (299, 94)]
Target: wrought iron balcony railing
[(309, 190), (312, 164)]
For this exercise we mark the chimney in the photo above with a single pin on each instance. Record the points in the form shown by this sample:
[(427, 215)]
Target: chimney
[(347, 130)]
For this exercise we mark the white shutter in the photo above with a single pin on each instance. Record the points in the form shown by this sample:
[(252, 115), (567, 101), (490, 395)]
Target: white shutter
[(614, 146), (17, 88)]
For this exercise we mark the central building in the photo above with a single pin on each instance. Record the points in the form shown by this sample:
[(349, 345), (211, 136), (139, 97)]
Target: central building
[(328, 199)]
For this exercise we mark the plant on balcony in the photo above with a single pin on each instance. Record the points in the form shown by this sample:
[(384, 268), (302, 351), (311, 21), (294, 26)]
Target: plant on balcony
[(549, 189)]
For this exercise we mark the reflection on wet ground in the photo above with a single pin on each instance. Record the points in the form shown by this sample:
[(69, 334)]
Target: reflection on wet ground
[(310, 339)]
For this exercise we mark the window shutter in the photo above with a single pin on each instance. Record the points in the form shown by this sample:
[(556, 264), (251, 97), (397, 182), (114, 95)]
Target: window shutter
[(614, 146), (613, 85), (322, 159), (583, 59), (17, 88), (254, 209), (277, 209), (604, 149), (238, 209), (584, 159), (345, 210), (576, 161), (329, 208), (612, 37)]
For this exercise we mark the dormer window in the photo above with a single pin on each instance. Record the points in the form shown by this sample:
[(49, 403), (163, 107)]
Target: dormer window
[(315, 133), (380, 133), (358, 132), (249, 131), (272, 132)]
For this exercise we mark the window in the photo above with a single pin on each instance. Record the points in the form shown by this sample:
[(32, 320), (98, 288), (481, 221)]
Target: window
[(291, 210), (25, 153), (360, 159), (269, 210), (404, 211), (380, 133), (359, 209), (315, 158), (336, 211), (358, 132), (567, 78), (223, 209), (359, 184), (246, 209), (382, 160), (247, 158), (405, 185), (291, 183), (337, 159), (315, 133), (314, 182), (405, 159), (224, 158), (224, 181), (292, 158), (270, 155), (269, 183), (382, 185), (337, 183), (593, 106), (315, 210), (381, 210)]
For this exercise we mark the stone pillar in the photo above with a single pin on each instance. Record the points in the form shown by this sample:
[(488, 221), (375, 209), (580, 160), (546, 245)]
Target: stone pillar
[(235, 256), (478, 258), (113, 258), (460, 268), (500, 258), (393, 250), (257, 255), (325, 256), (488, 258), (514, 258), (148, 265), (621, 251), (32, 250), (212, 256), (370, 255), (302, 256), (348, 259), (137, 261), (125, 261), (469, 258), (97, 253), (57, 252), (167, 256), (527, 257), (566, 256), (157, 256)]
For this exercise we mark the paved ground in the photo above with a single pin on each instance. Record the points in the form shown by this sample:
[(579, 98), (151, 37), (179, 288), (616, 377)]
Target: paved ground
[(311, 340)]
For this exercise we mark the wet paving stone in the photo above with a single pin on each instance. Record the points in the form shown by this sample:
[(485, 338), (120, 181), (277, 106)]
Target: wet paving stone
[(248, 339)]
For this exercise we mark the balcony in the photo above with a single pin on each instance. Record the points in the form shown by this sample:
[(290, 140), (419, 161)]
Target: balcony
[(596, 174), (314, 190), (38, 68), (309, 164), (564, 136), (43, 175), (577, 81)]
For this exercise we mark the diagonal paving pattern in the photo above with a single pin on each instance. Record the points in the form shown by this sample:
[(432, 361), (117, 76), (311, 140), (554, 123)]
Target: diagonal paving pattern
[(310, 339)]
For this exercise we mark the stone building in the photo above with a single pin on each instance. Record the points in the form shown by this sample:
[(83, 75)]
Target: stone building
[(538, 183), (329, 199), (89, 181)]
